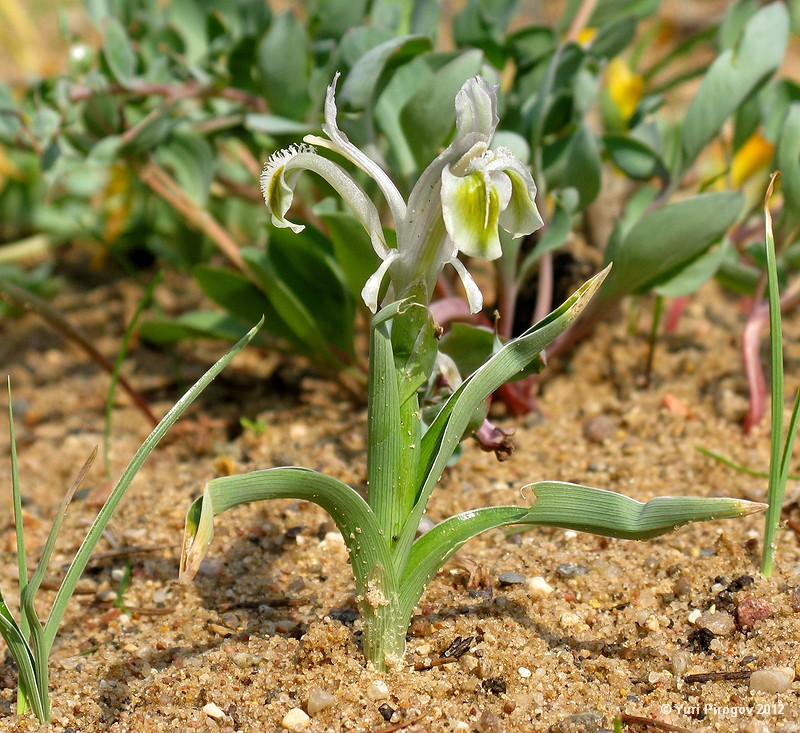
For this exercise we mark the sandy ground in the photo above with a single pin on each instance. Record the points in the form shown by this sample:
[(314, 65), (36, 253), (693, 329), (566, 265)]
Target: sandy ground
[(596, 628)]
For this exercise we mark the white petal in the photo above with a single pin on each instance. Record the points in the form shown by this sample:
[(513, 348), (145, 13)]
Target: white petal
[(340, 143), (476, 109), (471, 208), (281, 173), (520, 215), (448, 369), (372, 288), (474, 295)]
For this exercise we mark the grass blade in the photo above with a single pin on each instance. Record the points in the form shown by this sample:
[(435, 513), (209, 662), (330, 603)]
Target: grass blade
[(22, 564), (81, 559), (27, 597), (777, 481)]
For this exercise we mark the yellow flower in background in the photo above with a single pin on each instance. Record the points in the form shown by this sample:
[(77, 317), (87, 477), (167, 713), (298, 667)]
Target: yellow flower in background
[(117, 202), (625, 87), (754, 156), (585, 36)]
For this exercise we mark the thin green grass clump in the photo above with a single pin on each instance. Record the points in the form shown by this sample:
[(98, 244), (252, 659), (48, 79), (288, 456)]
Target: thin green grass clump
[(29, 640), (459, 203), (780, 455)]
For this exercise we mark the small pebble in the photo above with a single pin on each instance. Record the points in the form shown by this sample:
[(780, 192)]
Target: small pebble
[(319, 699), (752, 609), (681, 587), (599, 428), (775, 679), (377, 690), (524, 672), (246, 661), (489, 723), (719, 623), (589, 721), (571, 570), (538, 587), (213, 711), (295, 719), (388, 713), (757, 726), (680, 662), (795, 600), (511, 578), (484, 669)]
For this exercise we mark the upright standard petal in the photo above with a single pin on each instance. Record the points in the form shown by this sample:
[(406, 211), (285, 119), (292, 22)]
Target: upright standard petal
[(476, 109)]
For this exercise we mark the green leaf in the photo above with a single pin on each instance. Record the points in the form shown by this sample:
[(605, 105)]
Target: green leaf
[(554, 235), (569, 506), (468, 346), (609, 11), (695, 274), (788, 160), (666, 240), (583, 166), (192, 325), (482, 24), (23, 657), (406, 17), (736, 18), (447, 429), (613, 38), (634, 158), (414, 347), (118, 52), (734, 76), (299, 309), (306, 266), (384, 456), (188, 19), (359, 86), (352, 248), (283, 63), (240, 297), (190, 158), (530, 45), (333, 18), (275, 125), (428, 117), (353, 517)]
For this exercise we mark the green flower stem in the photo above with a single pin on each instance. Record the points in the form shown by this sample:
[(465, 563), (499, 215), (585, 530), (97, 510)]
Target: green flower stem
[(385, 441)]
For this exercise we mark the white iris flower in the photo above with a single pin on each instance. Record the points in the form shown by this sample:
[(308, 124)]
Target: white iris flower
[(457, 204)]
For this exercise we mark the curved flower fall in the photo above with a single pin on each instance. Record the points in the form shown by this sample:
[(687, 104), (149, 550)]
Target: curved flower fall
[(457, 205)]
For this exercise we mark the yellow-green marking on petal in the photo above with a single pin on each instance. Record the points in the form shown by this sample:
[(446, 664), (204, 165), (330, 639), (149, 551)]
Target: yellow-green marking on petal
[(471, 211)]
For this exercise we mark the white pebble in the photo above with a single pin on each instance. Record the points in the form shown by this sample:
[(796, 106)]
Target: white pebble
[(569, 620), (775, 679), (524, 672), (719, 623), (295, 719), (378, 690), (319, 699), (213, 711), (538, 587)]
